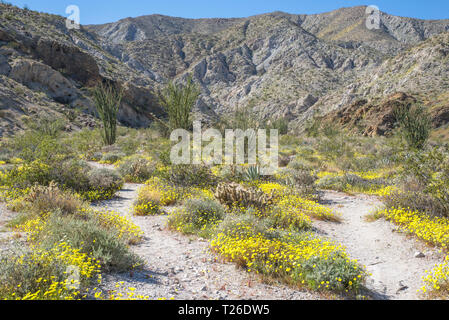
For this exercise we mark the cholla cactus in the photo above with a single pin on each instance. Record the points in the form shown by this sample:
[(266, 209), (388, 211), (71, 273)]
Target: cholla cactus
[(231, 194), (37, 191)]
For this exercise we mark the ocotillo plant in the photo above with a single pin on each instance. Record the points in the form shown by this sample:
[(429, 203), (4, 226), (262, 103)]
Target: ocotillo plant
[(178, 102), (107, 101), (415, 123)]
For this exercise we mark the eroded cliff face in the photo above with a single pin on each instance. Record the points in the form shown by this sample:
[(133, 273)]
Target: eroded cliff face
[(277, 64), (45, 68)]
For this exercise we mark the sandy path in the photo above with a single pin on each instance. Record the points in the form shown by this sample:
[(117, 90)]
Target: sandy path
[(6, 235), (183, 268), (388, 254)]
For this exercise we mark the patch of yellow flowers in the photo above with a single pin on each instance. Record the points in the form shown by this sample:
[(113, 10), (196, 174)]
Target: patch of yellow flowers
[(49, 287), (127, 230), (368, 175), (89, 268), (293, 204), (154, 195), (430, 229), (168, 194), (383, 191), (272, 188), (98, 194), (298, 205), (33, 226), (437, 280), (283, 258)]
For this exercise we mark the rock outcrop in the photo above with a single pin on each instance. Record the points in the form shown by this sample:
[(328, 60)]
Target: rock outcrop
[(278, 65)]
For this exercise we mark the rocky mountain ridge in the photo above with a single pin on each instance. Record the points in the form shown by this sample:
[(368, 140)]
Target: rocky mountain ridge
[(276, 64)]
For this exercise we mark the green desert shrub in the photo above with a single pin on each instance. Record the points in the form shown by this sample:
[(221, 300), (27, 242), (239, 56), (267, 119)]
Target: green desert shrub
[(105, 179), (190, 175), (332, 273), (5, 154), (31, 146), (245, 224), (415, 124), (149, 202), (231, 173), (334, 147), (52, 198), (359, 164), (302, 180), (199, 217), (427, 171), (136, 168), (417, 202), (71, 174), (350, 182), (112, 157), (47, 124), (27, 175), (90, 237), (130, 141), (25, 271), (281, 218), (300, 164), (280, 124), (86, 142)]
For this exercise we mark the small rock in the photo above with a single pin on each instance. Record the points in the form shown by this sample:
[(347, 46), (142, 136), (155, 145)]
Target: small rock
[(402, 287), (419, 254), (204, 288)]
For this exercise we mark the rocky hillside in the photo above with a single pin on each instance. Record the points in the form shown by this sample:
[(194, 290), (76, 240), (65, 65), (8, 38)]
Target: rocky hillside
[(45, 68), (418, 74), (278, 64)]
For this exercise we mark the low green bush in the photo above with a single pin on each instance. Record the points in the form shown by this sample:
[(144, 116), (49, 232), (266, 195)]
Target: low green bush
[(199, 217), (91, 238), (350, 183), (112, 157), (334, 273), (106, 179), (190, 175), (302, 180), (136, 169), (246, 224), (52, 198), (417, 202)]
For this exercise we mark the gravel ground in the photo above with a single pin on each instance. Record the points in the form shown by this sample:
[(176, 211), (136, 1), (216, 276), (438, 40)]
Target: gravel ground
[(388, 254), (7, 237), (180, 267)]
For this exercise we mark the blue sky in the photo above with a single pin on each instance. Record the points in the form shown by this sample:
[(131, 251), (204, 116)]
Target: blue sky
[(102, 11)]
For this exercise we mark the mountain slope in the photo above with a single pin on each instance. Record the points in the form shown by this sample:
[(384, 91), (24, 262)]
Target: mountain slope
[(421, 72), (38, 53), (277, 64), (156, 26)]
